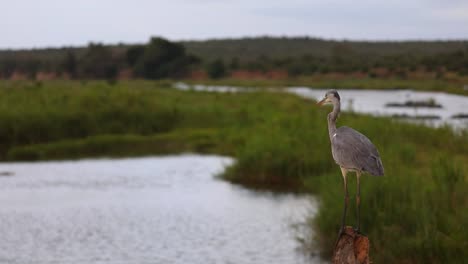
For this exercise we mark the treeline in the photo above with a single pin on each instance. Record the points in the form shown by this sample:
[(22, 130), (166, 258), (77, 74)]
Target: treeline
[(160, 58), (344, 60), (157, 59), (304, 55)]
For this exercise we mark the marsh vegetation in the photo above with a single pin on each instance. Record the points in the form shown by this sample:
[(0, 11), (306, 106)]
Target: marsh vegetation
[(278, 141)]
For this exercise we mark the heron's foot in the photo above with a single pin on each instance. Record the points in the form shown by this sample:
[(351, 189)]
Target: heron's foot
[(340, 233), (342, 230)]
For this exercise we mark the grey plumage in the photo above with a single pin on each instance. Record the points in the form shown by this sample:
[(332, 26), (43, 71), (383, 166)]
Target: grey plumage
[(354, 151), (351, 150)]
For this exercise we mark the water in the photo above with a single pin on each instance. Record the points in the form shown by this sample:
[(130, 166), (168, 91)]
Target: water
[(144, 210), (374, 102)]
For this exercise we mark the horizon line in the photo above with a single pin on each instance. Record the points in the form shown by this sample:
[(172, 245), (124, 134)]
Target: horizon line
[(258, 36)]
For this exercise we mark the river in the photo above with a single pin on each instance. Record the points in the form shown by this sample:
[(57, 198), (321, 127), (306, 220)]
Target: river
[(145, 210), (375, 102)]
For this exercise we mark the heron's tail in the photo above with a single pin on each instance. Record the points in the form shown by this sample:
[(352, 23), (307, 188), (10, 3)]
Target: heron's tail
[(379, 171)]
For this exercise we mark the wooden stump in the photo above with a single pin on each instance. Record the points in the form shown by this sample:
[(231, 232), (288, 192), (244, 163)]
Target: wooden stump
[(352, 248)]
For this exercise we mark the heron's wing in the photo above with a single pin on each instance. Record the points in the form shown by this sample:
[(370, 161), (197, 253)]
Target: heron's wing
[(353, 150)]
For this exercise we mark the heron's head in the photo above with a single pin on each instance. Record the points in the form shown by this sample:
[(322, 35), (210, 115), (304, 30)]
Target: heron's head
[(331, 97)]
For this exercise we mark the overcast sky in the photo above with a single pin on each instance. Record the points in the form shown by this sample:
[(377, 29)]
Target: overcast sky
[(41, 23)]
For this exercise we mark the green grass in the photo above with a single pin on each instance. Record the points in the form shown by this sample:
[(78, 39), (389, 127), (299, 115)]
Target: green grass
[(199, 141), (416, 213)]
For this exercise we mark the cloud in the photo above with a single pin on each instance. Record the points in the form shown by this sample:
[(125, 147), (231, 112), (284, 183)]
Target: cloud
[(61, 22), (454, 14)]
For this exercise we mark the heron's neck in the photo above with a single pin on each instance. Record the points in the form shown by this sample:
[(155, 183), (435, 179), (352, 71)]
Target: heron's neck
[(332, 117)]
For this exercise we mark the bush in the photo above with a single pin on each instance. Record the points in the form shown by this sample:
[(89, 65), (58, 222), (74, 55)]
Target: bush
[(216, 69)]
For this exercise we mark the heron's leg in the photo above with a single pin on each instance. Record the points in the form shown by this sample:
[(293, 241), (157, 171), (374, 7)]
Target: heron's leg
[(346, 199), (358, 200), (343, 172)]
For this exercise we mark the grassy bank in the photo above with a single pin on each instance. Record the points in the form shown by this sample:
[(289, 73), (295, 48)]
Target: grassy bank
[(415, 214)]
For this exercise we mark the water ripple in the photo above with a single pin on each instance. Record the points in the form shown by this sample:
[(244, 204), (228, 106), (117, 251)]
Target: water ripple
[(144, 210)]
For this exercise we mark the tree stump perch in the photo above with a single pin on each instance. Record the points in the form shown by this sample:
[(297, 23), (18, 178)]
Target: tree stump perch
[(351, 248)]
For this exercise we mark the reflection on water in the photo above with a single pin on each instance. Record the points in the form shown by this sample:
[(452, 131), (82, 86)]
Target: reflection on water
[(143, 210)]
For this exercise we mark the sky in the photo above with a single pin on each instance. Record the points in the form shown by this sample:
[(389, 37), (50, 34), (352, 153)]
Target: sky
[(55, 23)]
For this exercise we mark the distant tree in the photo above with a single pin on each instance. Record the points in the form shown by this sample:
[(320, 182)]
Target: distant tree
[(324, 69), (98, 63), (363, 69), (439, 74), (342, 57), (296, 68), (234, 65), (193, 60), (401, 73), (31, 67), (161, 59), (464, 63), (69, 64), (373, 74), (133, 54), (309, 64), (216, 69), (7, 67)]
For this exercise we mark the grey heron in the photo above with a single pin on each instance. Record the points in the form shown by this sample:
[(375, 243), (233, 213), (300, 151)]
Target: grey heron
[(352, 151)]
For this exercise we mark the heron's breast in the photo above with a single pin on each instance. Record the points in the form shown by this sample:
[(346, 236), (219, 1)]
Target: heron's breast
[(342, 159)]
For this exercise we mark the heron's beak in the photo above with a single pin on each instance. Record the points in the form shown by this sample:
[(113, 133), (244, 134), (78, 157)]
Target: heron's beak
[(322, 102)]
